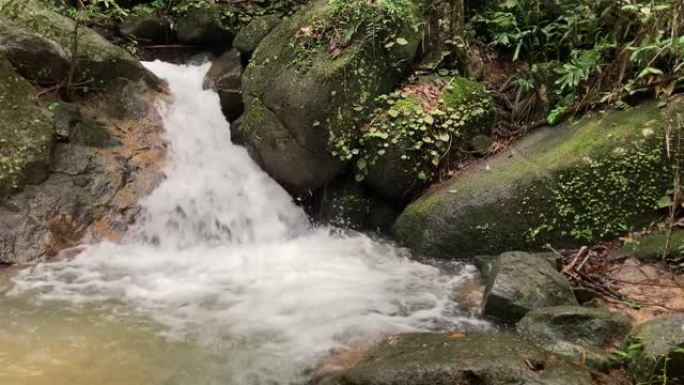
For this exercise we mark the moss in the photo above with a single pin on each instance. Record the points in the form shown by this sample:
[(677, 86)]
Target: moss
[(26, 133), (565, 186), (652, 247)]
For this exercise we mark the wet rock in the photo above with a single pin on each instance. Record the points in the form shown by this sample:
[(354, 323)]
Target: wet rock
[(34, 57), (202, 26), (72, 126), (347, 204), (659, 347), (520, 282), (26, 133), (298, 95), (440, 359), (540, 190), (225, 77), (579, 332), (249, 37), (146, 28)]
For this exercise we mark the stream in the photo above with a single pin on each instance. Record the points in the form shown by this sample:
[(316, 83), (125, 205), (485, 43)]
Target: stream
[(223, 279)]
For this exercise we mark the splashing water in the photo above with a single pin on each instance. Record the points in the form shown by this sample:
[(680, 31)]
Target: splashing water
[(222, 260)]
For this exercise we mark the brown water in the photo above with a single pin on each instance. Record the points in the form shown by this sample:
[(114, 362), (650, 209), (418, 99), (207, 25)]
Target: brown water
[(54, 344)]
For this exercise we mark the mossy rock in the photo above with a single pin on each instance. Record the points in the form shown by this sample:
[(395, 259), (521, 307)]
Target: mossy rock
[(26, 133), (308, 95), (225, 77), (485, 263), (470, 358), (146, 27), (35, 57), (72, 126), (249, 37), (566, 186), (659, 351), (402, 162), (98, 61), (652, 247), (203, 26)]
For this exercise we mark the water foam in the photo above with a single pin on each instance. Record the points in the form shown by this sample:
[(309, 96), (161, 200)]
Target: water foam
[(221, 256)]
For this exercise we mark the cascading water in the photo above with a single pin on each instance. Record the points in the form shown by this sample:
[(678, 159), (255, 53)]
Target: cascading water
[(223, 260)]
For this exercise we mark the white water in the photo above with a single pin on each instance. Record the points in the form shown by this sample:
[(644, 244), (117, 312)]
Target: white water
[(223, 258)]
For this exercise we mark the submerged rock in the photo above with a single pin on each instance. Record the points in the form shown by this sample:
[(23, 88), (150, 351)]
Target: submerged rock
[(225, 77), (564, 185), (658, 350), (519, 282), (300, 94), (575, 331), (441, 359)]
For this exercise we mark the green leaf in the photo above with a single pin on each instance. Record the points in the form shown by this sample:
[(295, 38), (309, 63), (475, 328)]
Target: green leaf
[(401, 41), (664, 202), (392, 112), (429, 119), (361, 164)]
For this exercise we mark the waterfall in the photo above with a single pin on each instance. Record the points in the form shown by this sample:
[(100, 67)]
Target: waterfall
[(223, 258)]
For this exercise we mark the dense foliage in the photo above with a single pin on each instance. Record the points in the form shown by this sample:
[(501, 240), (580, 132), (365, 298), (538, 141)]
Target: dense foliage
[(591, 51)]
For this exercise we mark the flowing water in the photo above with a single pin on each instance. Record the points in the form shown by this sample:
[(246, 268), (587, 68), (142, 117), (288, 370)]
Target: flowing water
[(222, 281)]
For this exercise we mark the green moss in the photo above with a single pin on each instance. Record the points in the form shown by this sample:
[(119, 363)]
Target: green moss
[(26, 133), (565, 186)]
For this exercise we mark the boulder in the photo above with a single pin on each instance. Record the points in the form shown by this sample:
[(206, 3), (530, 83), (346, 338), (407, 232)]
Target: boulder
[(414, 134), (485, 263), (565, 186), (26, 133), (473, 358), (575, 331), (202, 26), (520, 282), (97, 61), (35, 57), (303, 89), (146, 27), (658, 350), (249, 37), (225, 77)]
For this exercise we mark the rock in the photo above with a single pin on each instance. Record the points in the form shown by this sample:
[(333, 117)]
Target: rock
[(97, 60), (399, 164), (347, 204), (484, 263), (481, 144), (300, 96), (146, 28), (26, 133), (519, 282), (544, 189), (656, 342), (202, 26), (441, 359), (72, 126), (35, 57), (225, 77), (651, 248), (249, 37), (575, 331)]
